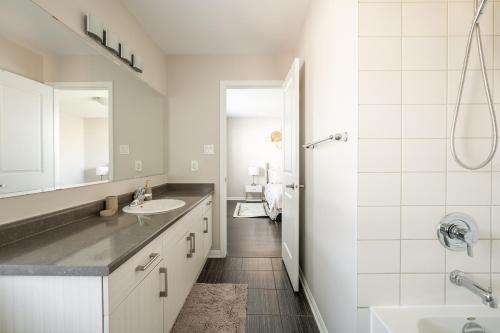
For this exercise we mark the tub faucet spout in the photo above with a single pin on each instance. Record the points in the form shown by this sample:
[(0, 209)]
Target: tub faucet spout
[(458, 278)]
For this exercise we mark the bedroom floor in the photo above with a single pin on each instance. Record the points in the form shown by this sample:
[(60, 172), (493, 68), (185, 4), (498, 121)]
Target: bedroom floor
[(252, 237)]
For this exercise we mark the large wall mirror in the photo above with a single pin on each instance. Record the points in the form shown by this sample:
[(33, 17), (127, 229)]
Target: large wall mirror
[(70, 113)]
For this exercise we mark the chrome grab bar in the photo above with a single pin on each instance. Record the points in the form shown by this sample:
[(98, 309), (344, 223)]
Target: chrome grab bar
[(152, 258), (332, 137)]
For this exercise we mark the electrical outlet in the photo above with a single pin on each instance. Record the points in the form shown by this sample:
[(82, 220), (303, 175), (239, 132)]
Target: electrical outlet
[(208, 149), (194, 165), (138, 165), (124, 149)]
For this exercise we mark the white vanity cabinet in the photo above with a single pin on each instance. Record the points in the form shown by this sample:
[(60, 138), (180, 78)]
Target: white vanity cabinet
[(184, 248), (144, 294), (142, 310), (174, 261)]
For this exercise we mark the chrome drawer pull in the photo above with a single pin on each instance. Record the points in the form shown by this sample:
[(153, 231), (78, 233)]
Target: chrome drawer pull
[(193, 235), (206, 225), (152, 258), (163, 270), (190, 240)]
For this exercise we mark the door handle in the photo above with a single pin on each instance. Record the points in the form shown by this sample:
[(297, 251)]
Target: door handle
[(293, 186), (206, 225), (163, 270), (152, 258)]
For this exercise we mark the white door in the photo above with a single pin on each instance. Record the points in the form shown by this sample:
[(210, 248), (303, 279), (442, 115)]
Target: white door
[(291, 191), (26, 135)]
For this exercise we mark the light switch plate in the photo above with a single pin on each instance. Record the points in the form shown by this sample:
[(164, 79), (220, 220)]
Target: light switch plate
[(208, 149), (194, 165), (138, 165), (124, 149)]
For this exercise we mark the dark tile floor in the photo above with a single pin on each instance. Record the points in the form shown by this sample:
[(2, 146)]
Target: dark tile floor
[(252, 237), (272, 305)]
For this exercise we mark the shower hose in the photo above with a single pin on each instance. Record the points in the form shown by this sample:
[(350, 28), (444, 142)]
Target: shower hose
[(494, 140)]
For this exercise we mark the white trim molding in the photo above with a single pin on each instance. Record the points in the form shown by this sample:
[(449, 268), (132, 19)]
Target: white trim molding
[(235, 198), (312, 303), (215, 254)]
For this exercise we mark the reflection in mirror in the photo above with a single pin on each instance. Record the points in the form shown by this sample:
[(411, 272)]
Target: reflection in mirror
[(70, 112), (81, 127)]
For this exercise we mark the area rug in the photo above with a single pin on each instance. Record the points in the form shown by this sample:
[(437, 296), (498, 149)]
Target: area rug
[(250, 209), (214, 308)]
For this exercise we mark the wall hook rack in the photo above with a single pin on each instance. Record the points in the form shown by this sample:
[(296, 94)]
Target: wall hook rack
[(332, 137)]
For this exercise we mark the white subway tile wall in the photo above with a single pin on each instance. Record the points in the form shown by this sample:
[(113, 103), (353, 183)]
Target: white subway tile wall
[(410, 57)]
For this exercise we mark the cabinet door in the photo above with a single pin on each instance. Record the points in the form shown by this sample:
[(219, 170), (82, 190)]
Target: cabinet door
[(142, 310), (179, 272)]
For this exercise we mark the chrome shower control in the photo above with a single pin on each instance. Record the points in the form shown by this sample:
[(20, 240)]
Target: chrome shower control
[(458, 232)]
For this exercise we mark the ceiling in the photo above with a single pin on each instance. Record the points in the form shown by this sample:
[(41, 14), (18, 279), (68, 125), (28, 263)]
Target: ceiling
[(254, 103), (87, 103), (221, 26)]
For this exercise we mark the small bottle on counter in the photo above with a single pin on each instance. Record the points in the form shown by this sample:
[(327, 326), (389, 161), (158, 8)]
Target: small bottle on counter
[(149, 191)]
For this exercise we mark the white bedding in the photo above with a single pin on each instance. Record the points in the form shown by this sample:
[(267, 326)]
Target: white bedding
[(273, 194)]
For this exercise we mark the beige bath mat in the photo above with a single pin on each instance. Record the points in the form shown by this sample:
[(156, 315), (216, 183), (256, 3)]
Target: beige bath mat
[(214, 308)]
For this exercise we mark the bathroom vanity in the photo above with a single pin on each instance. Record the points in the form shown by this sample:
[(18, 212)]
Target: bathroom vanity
[(121, 274)]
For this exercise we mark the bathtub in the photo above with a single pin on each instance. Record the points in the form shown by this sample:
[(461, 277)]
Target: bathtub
[(432, 319)]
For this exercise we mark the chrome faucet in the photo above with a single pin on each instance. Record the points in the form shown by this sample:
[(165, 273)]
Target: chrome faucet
[(458, 278), (458, 232), (139, 196)]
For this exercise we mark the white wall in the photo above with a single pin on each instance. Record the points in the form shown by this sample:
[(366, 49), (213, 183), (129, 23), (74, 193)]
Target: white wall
[(249, 144), (119, 20), (193, 115), (408, 78), (96, 137), (328, 205), (71, 150)]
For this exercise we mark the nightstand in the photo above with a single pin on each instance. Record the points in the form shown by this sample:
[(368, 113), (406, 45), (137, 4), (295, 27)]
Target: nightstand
[(253, 193)]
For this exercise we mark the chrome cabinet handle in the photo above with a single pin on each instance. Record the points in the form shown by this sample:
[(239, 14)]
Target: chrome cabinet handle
[(209, 203), (3, 186), (193, 235), (163, 270), (190, 240), (152, 258), (206, 225)]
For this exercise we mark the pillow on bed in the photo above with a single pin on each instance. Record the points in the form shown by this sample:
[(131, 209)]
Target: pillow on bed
[(275, 177)]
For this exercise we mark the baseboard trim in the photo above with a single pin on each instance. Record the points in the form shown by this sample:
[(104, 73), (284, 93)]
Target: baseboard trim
[(236, 198), (215, 254), (312, 303)]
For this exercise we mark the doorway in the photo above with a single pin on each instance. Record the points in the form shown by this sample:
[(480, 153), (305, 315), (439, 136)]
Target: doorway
[(254, 167), (251, 151)]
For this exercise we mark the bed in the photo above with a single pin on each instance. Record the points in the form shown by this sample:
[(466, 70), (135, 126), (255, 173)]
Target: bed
[(273, 192)]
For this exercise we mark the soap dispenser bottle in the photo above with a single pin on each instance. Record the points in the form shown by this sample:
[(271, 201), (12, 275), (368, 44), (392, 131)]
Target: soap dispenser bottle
[(149, 191)]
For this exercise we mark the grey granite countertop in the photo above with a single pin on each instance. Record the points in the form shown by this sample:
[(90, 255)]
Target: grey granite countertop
[(95, 246)]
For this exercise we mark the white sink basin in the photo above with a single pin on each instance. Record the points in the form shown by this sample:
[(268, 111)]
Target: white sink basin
[(155, 207)]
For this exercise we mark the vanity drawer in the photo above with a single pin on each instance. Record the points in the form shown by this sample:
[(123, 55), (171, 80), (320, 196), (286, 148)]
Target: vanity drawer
[(123, 280)]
